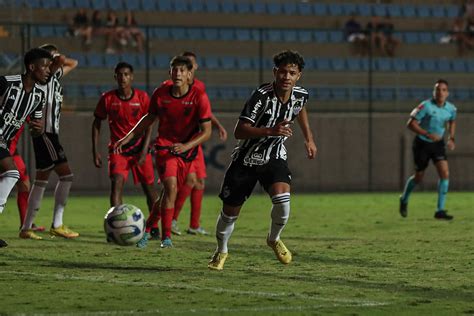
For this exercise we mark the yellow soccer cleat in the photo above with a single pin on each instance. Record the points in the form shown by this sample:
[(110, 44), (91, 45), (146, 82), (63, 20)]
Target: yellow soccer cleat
[(217, 261), (63, 231), (282, 253), (29, 234)]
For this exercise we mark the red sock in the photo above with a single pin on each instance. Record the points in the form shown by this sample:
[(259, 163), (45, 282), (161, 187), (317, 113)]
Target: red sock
[(196, 201), (183, 193), (153, 218), (167, 218), (22, 201)]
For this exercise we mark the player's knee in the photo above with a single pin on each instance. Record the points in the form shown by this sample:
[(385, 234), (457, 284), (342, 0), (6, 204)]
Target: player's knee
[(67, 178)]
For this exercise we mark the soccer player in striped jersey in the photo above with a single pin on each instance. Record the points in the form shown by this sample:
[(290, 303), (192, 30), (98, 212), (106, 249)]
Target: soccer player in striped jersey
[(195, 181), (262, 128), (49, 154), (184, 122), (124, 107), (22, 96)]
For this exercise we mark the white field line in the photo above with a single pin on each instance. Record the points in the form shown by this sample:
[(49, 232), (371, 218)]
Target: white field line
[(334, 302)]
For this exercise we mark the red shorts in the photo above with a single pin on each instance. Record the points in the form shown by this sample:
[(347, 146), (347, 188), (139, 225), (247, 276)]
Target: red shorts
[(199, 165), (20, 165), (172, 166), (120, 164)]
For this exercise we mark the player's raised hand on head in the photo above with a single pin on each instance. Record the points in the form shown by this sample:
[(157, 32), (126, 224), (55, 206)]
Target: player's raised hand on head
[(282, 129), (311, 149)]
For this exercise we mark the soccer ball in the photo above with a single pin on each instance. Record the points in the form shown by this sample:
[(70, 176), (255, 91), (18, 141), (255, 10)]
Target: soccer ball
[(124, 224)]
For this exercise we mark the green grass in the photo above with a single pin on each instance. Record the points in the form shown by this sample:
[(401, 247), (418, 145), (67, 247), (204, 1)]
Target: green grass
[(353, 254)]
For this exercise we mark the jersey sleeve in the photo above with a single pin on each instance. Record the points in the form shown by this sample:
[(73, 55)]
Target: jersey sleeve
[(253, 107), (454, 113), (204, 108), (419, 112), (3, 86), (101, 108), (38, 111)]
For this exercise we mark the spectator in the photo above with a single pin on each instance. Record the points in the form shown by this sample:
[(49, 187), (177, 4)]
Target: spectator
[(467, 38), (467, 9), (376, 37), (134, 33), (80, 27), (117, 32), (100, 29), (389, 43), (354, 34)]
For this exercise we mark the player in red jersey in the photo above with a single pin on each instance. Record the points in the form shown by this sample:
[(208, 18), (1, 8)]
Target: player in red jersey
[(124, 107), (184, 122), (195, 181), (23, 185)]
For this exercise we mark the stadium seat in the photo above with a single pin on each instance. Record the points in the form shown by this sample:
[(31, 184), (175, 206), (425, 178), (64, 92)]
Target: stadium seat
[(43, 31), (211, 62), (290, 35), (243, 34), (273, 35), (178, 33), (402, 93), (383, 64), (320, 9), (438, 11), (321, 36), (228, 6), (470, 65), (114, 5), (408, 11), (460, 94), (196, 5), (349, 9), (423, 11), (245, 63), (288, 8), (380, 9), (99, 5), (322, 63), (322, 93), (211, 34), (339, 93), (212, 93), (161, 61), (66, 4), (258, 7), (81, 59), (335, 9), (338, 64), (228, 62), (413, 65), (452, 11), (426, 37), (95, 60), (243, 93), (357, 94), (227, 34), (304, 8), (305, 36), (336, 36), (49, 4), (160, 32), (273, 8), (459, 65), (180, 6), (411, 37), (82, 4), (353, 64), (428, 65), (133, 60), (148, 5), (164, 5), (90, 91), (444, 65), (364, 9), (384, 94), (399, 65), (212, 6), (111, 60), (243, 7), (227, 93), (132, 5), (394, 10), (195, 33)]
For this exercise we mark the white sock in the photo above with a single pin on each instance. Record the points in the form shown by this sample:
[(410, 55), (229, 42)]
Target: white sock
[(34, 202), (280, 215), (8, 180), (60, 198), (224, 228)]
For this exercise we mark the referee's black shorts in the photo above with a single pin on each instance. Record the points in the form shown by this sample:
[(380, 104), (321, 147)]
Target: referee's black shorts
[(239, 180), (48, 151), (424, 151)]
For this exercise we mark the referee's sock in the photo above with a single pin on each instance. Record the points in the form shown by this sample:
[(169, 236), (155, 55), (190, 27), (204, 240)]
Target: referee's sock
[(409, 186), (443, 185)]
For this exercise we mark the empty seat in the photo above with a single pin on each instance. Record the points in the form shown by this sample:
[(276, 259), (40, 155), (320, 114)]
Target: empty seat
[(288, 8), (322, 63), (226, 34), (211, 34), (211, 62), (413, 65), (99, 4), (258, 7), (228, 6), (245, 63), (411, 37), (444, 65), (161, 61), (114, 5), (384, 94), (95, 60), (428, 65), (459, 65), (321, 36), (290, 36), (273, 35), (358, 94), (353, 64), (322, 93), (195, 33), (132, 5), (243, 34), (423, 11), (228, 62), (81, 59), (304, 8), (349, 9), (161, 32), (49, 4), (320, 9), (339, 93), (336, 36), (148, 5), (394, 10), (196, 5), (364, 9), (383, 64), (164, 5), (178, 33), (180, 6), (399, 65), (438, 11), (212, 6), (380, 9), (305, 36), (91, 91), (66, 4), (82, 4), (338, 64), (274, 8), (408, 11), (131, 59), (426, 37), (227, 93), (112, 60), (451, 11), (243, 7)]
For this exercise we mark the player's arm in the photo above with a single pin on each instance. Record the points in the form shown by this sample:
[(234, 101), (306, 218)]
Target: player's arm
[(451, 133), (198, 139), (146, 143), (309, 143), (66, 63), (245, 130), (415, 127), (222, 131), (139, 128), (95, 142)]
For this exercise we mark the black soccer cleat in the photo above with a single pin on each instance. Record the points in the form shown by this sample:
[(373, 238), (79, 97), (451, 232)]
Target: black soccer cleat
[(403, 208), (3, 243), (442, 214), (155, 233)]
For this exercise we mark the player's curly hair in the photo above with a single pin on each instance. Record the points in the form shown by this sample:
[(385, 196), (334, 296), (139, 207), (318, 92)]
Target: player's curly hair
[(34, 54), (288, 57)]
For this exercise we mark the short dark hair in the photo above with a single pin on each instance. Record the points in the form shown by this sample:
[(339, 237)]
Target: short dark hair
[(181, 61), (288, 57), (49, 47), (188, 54), (442, 81), (121, 65), (34, 54)]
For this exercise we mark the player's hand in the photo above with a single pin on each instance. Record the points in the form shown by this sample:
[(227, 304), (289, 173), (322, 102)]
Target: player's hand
[(222, 134), (282, 129), (178, 148), (311, 149), (142, 158), (451, 144), (119, 144), (36, 127), (434, 137), (97, 160)]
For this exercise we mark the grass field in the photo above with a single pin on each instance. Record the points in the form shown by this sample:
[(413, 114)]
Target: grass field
[(353, 254)]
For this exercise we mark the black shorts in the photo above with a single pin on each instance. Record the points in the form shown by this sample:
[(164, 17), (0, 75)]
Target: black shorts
[(424, 151), (48, 151), (4, 152), (239, 180)]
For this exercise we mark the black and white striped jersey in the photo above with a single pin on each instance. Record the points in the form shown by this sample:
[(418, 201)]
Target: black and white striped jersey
[(17, 105), (54, 101), (264, 109)]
